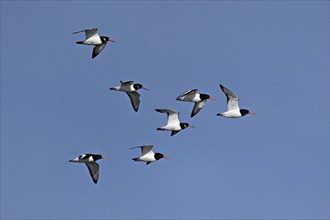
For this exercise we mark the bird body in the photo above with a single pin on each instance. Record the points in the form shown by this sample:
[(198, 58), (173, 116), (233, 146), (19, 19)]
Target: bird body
[(231, 114), (93, 38), (196, 97), (131, 90), (173, 123), (233, 110), (90, 161), (128, 86), (85, 158), (148, 155), (146, 158)]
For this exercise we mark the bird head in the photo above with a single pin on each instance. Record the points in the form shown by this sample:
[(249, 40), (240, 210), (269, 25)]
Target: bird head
[(206, 96), (160, 156), (138, 86), (245, 112), (99, 156), (105, 39)]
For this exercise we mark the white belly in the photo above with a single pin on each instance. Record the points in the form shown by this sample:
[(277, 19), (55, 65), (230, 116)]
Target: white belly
[(172, 127), (196, 98), (94, 40), (232, 114), (148, 158)]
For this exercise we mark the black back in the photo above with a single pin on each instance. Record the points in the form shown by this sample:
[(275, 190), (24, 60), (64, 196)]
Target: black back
[(95, 156), (85, 157), (204, 96), (244, 111), (137, 86), (158, 156)]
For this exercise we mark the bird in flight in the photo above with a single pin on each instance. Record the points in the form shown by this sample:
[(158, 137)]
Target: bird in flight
[(90, 161), (93, 38), (148, 155), (233, 110), (173, 123), (131, 90), (194, 96)]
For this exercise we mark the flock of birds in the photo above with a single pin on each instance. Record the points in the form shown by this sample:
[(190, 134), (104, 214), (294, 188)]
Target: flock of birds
[(173, 123)]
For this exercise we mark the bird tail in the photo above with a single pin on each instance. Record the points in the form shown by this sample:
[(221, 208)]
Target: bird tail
[(115, 88), (160, 129)]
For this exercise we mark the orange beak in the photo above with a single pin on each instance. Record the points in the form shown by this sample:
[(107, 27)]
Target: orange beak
[(105, 158), (166, 157), (252, 113), (111, 40), (212, 98)]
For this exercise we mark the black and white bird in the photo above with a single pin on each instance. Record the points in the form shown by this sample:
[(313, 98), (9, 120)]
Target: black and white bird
[(233, 110), (194, 96), (131, 90), (173, 123), (148, 155), (93, 38), (90, 161)]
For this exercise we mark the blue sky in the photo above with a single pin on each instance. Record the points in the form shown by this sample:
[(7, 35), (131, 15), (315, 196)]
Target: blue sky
[(56, 104)]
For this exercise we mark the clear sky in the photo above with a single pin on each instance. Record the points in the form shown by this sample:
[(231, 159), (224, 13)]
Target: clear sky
[(56, 104)]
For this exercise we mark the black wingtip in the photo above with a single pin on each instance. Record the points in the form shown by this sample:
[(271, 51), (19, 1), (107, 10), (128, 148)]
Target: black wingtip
[(222, 88), (94, 54), (175, 132)]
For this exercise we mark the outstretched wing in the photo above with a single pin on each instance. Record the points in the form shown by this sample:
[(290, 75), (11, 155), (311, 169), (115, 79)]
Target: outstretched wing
[(185, 95), (93, 168), (97, 49), (135, 99), (197, 107), (126, 83), (174, 132), (232, 99), (144, 149), (172, 115), (88, 32)]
